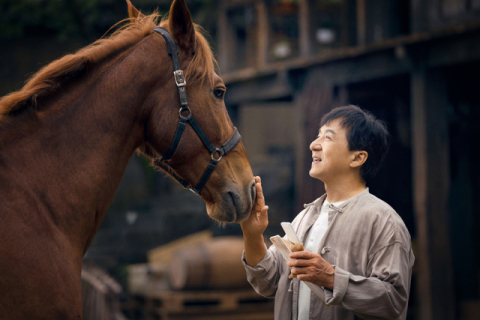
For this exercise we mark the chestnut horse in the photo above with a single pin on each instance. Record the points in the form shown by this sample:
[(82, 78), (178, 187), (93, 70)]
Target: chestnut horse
[(66, 138)]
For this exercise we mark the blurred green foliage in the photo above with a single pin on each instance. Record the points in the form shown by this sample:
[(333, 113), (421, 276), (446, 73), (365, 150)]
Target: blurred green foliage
[(84, 19)]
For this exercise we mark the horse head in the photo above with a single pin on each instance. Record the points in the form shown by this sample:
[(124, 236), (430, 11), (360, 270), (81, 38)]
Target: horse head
[(229, 191)]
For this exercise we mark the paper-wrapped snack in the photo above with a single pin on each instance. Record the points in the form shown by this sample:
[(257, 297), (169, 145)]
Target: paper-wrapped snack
[(294, 248)]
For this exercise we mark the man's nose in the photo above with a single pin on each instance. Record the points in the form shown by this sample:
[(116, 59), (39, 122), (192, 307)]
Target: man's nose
[(315, 145)]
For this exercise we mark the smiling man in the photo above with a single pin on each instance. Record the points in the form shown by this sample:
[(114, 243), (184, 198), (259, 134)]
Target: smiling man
[(358, 249)]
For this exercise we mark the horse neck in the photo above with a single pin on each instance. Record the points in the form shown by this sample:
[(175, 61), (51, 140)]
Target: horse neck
[(75, 159)]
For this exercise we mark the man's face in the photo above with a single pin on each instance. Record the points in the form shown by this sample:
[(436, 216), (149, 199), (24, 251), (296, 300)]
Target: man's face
[(330, 155)]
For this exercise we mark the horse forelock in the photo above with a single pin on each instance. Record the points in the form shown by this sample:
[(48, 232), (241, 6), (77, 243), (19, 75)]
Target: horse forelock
[(52, 77)]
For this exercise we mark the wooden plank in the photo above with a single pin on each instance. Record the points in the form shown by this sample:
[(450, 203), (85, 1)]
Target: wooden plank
[(201, 302), (431, 182)]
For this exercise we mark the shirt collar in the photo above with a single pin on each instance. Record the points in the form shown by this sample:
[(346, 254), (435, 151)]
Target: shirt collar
[(318, 202)]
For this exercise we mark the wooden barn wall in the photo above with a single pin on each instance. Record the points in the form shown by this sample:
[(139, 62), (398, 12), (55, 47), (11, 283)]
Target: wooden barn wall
[(317, 98)]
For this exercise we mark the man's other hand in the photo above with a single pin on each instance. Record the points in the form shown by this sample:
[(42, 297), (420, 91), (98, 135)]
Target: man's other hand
[(311, 267)]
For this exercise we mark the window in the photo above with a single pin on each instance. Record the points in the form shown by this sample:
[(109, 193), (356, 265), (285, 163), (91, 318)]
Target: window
[(326, 24), (283, 29)]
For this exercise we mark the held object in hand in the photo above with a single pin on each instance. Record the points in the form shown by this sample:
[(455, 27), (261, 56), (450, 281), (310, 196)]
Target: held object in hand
[(285, 251)]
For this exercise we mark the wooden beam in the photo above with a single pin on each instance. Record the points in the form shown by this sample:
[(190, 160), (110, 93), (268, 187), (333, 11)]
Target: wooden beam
[(464, 38), (271, 87), (304, 27), (361, 22), (262, 33), (224, 41), (431, 176)]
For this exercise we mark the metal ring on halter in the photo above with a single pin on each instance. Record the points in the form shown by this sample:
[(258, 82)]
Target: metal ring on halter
[(185, 109), (220, 153)]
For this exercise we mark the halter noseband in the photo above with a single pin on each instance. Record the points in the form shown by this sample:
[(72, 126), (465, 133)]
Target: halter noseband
[(182, 92)]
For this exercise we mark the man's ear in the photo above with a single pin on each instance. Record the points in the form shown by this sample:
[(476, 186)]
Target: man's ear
[(358, 158), (133, 12), (181, 26)]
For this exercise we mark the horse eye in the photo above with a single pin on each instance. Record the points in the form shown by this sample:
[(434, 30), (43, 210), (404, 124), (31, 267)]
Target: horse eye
[(218, 93)]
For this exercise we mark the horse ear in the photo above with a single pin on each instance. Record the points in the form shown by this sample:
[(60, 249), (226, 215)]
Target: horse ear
[(181, 26), (133, 12)]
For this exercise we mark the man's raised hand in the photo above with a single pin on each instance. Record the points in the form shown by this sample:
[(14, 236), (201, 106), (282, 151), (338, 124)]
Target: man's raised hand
[(257, 222)]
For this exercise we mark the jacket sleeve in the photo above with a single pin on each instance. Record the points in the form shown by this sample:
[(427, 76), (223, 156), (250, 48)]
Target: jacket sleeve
[(382, 295), (264, 276)]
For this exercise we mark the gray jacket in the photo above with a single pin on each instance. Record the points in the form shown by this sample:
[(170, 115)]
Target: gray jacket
[(369, 246)]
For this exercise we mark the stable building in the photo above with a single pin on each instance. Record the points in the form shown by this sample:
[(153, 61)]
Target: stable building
[(415, 65)]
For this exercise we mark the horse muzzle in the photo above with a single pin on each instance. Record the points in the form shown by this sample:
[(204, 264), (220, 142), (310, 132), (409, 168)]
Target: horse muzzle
[(233, 205)]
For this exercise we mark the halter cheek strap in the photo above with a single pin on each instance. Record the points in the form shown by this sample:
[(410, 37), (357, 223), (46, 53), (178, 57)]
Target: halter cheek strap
[(216, 154)]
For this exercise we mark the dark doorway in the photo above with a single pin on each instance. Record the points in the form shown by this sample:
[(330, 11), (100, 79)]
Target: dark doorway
[(389, 100), (464, 200)]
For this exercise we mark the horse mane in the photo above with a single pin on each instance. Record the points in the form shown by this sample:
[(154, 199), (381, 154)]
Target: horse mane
[(53, 76)]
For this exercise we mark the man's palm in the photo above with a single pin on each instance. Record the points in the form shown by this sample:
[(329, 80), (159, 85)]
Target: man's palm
[(257, 222)]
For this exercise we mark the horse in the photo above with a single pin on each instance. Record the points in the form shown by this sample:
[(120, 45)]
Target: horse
[(66, 138)]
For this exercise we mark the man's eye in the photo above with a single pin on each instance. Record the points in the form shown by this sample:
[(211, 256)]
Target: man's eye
[(219, 93), (327, 137)]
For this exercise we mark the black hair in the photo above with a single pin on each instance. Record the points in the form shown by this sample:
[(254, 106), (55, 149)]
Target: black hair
[(364, 133)]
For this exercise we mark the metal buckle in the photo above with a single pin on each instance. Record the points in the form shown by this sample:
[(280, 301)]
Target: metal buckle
[(179, 78)]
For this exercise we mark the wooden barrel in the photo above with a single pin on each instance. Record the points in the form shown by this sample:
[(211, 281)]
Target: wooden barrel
[(215, 264)]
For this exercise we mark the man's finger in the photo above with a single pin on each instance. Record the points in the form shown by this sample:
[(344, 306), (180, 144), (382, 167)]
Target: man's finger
[(258, 187), (260, 199), (305, 277), (299, 263), (299, 270), (302, 255)]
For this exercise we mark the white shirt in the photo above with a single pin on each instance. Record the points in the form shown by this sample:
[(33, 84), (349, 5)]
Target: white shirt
[(312, 243)]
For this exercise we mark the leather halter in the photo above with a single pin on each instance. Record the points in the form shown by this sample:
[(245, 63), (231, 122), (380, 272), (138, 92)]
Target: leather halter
[(184, 108)]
